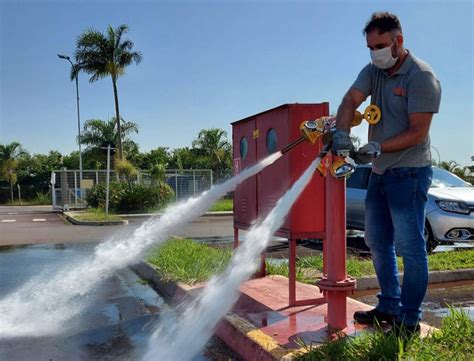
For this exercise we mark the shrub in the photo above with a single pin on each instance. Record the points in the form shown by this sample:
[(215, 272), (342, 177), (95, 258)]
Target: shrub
[(130, 198), (125, 170)]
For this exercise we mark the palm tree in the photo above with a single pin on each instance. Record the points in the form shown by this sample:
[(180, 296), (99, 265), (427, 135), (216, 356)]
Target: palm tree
[(9, 156), (103, 55), (213, 144), (96, 132)]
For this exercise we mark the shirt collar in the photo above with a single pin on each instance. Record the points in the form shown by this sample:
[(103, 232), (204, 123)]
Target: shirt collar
[(405, 66)]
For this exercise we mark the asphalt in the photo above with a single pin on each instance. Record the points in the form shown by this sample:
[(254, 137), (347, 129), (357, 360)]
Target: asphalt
[(33, 225)]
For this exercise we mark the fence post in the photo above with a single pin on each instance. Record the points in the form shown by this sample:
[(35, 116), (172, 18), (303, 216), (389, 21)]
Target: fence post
[(53, 191), (194, 183), (64, 189), (212, 179), (75, 188), (176, 183), (96, 177)]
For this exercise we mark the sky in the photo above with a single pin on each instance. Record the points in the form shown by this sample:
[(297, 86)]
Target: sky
[(209, 63)]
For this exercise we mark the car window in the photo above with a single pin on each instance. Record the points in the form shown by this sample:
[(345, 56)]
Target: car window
[(359, 178)]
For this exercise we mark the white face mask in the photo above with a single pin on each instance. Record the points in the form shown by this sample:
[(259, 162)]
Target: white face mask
[(383, 58)]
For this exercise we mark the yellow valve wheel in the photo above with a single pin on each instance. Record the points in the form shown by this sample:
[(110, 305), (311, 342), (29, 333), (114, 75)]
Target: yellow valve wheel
[(372, 114)]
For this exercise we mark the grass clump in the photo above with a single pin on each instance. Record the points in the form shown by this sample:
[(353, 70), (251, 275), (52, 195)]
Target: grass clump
[(454, 341), (360, 267), (222, 205), (281, 268), (187, 261), (451, 260), (96, 215)]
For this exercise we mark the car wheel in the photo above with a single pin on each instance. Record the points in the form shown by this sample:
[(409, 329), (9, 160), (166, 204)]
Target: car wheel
[(429, 239)]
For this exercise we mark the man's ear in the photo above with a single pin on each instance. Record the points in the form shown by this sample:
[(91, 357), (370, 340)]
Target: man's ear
[(399, 40)]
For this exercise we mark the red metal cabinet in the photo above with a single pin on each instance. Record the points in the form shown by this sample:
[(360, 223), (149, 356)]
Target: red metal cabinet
[(258, 195)]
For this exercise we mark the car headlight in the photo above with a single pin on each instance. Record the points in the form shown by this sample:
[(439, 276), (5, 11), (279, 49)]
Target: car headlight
[(453, 206)]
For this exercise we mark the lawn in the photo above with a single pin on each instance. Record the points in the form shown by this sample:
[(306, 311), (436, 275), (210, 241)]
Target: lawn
[(222, 205), (96, 215), (188, 261)]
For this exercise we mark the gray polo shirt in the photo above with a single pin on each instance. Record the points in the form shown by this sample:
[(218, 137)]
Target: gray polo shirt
[(414, 88)]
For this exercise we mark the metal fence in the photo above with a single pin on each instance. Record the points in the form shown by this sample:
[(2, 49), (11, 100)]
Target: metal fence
[(68, 193)]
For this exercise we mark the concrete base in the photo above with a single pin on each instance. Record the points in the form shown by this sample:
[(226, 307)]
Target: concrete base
[(261, 326)]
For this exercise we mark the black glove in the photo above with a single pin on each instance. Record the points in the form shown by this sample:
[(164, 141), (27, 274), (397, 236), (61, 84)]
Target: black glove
[(342, 143), (367, 153)]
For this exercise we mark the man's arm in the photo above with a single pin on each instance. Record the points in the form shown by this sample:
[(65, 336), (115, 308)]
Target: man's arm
[(419, 126), (345, 113)]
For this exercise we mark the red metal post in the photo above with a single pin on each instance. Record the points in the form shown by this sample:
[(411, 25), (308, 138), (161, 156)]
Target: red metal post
[(263, 268), (236, 237), (336, 284), (292, 272)]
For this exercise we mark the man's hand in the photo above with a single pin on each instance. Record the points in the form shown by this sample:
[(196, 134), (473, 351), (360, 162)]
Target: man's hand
[(367, 153), (342, 143)]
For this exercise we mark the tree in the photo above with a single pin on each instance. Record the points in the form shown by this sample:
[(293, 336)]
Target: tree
[(9, 157), (160, 155), (213, 145), (455, 168), (97, 132), (103, 55)]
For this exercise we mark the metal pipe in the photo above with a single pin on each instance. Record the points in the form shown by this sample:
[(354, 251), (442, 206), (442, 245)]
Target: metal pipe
[(293, 144)]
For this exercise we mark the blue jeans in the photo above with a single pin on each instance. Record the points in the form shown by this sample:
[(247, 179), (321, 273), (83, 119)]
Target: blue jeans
[(395, 219)]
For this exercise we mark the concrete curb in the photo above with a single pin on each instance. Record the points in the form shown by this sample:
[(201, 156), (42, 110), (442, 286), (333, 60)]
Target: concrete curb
[(70, 218), (230, 329), (435, 277)]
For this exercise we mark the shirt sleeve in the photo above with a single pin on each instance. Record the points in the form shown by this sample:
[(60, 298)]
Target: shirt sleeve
[(364, 81), (424, 93)]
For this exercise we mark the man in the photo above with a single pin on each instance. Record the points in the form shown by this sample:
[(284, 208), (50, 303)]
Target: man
[(408, 94)]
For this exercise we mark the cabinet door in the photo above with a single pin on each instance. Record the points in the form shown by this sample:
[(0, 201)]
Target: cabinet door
[(273, 181), (244, 154), (308, 213)]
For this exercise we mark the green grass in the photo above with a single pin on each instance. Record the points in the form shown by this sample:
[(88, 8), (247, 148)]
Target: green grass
[(222, 205), (187, 261), (97, 215), (454, 341), (360, 267)]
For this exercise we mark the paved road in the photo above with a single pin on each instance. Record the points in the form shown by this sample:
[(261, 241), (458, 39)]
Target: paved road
[(31, 225), (116, 323)]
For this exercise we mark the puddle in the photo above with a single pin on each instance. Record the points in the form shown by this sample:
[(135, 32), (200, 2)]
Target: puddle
[(121, 314)]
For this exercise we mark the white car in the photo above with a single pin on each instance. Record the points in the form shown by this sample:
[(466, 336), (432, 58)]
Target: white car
[(449, 212)]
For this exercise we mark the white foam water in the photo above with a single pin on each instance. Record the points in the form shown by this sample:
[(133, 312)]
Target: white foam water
[(44, 304), (183, 340)]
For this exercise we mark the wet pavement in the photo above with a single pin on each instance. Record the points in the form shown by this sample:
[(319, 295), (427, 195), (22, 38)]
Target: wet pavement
[(119, 316), (438, 301)]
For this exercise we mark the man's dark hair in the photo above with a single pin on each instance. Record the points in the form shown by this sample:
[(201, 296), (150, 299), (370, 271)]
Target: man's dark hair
[(383, 22)]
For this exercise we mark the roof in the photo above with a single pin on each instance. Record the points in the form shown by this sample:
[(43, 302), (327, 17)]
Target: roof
[(272, 109)]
